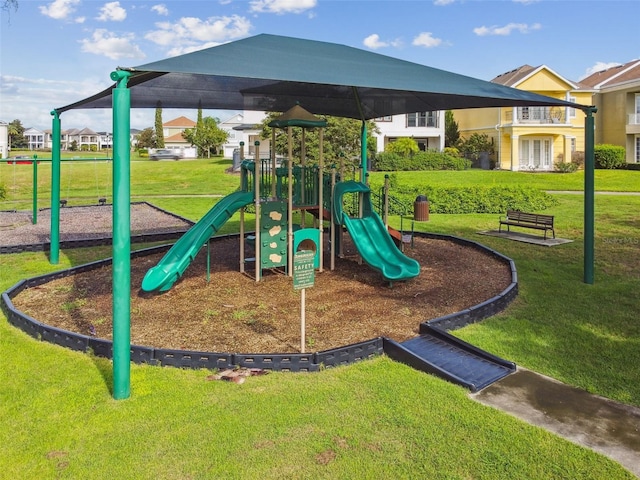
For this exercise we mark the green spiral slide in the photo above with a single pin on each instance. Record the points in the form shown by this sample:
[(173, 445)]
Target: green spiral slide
[(177, 259), (370, 236)]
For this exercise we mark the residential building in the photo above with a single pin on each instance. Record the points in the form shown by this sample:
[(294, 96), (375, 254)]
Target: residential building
[(531, 138), (35, 138), (426, 128), (617, 97), (4, 139), (245, 127), (172, 131)]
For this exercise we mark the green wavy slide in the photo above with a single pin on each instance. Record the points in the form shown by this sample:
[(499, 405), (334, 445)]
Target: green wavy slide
[(370, 236), (177, 259)]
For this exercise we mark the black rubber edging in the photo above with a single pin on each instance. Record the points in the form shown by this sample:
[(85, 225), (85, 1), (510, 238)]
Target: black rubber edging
[(293, 362), (102, 241)]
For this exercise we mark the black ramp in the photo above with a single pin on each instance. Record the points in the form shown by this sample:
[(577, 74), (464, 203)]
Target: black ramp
[(437, 352)]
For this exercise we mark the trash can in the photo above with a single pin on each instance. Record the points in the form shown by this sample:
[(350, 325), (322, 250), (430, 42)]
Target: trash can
[(421, 209)]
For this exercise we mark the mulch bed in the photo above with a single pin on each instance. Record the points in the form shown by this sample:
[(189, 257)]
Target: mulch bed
[(234, 313), (90, 222)]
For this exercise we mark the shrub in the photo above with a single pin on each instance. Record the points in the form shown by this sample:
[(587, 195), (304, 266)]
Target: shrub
[(429, 160), (565, 167), (3, 192), (609, 156), (577, 157), (451, 151), (476, 199)]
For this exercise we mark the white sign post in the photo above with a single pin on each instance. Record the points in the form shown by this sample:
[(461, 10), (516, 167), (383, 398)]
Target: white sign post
[(303, 278)]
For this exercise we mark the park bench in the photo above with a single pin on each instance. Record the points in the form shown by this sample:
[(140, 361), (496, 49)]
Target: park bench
[(536, 221)]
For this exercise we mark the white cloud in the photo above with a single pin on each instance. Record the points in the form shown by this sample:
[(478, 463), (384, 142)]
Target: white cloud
[(282, 6), (441, 3), (31, 100), (106, 43), (190, 33), (426, 39), (160, 9), (526, 2), (598, 67), (112, 12), (59, 9), (373, 42), (507, 29)]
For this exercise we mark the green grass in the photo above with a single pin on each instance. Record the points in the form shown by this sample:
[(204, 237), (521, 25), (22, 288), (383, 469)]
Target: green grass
[(376, 419), (605, 180)]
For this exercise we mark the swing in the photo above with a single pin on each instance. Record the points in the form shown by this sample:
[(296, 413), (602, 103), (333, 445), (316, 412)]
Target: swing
[(64, 201), (102, 199)]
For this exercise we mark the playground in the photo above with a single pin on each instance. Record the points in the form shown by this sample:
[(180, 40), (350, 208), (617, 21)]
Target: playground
[(233, 313)]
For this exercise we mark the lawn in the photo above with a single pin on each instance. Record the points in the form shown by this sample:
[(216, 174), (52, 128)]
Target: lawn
[(376, 419)]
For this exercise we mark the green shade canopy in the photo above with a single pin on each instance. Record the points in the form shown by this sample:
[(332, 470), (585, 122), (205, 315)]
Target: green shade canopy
[(273, 73), (297, 116)]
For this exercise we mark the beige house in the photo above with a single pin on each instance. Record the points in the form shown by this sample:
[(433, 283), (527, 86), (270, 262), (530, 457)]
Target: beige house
[(172, 131), (617, 96), (531, 138)]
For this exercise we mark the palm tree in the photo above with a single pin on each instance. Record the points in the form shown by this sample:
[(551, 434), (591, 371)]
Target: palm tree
[(12, 129)]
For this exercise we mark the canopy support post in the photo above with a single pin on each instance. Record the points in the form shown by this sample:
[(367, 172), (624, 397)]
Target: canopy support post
[(589, 195), (54, 249), (121, 237)]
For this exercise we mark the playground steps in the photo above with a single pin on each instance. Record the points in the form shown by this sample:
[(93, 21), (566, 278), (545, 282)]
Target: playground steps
[(437, 352)]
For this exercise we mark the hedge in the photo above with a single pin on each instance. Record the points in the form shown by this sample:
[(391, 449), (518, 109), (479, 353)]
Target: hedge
[(476, 199), (609, 156), (429, 160)]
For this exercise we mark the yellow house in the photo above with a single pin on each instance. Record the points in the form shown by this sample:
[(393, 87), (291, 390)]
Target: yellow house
[(531, 138), (618, 100)]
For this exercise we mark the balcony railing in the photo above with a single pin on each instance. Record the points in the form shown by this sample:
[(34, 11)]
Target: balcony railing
[(634, 119), (537, 115)]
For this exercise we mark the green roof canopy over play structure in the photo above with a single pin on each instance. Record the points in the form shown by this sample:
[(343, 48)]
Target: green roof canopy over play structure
[(273, 73)]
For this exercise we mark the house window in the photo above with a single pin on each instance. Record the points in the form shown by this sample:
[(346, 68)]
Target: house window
[(573, 144), (572, 111), (422, 119), (637, 157), (388, 118)]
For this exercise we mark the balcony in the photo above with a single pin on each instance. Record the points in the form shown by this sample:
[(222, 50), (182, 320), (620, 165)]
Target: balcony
[(537, 115), (633, 124)]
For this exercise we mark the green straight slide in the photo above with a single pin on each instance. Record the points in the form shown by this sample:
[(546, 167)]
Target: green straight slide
[(177, 259), (370, 236)]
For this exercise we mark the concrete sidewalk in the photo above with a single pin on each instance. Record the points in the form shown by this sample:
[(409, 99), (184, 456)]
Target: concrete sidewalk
[(603, 425)]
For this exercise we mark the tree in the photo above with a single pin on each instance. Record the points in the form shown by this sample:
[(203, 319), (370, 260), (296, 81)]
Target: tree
[(451, 132), (16, 135), (206, 135), (158, 125), (403, 146), (341, 140), (7, 5), (147, 138), (476, 144)]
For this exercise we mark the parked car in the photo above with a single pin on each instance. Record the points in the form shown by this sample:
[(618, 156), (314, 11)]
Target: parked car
[(20, 159), (164, 153)]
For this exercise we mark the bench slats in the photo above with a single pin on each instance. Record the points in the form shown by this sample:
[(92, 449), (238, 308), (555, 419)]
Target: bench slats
[(528, 220)]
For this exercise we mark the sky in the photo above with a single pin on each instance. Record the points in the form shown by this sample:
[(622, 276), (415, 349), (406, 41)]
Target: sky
[(53, 53)]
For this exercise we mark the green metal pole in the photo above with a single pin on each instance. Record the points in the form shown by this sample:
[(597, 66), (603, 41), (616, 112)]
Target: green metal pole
[(121, 237), (54, 252), (34, 216), (363, 151), (589, 195)]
